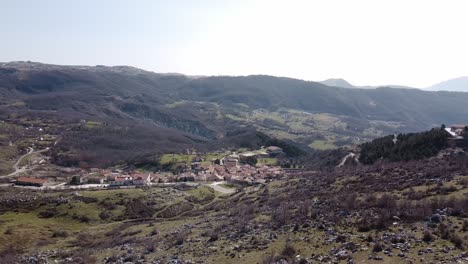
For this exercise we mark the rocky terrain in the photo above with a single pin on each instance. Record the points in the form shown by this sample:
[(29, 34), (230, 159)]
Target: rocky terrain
[(389, 212)]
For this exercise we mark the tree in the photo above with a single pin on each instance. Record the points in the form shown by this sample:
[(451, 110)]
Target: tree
[(252, 160)]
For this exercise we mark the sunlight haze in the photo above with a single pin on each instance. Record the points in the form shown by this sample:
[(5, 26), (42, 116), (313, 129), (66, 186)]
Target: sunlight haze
[(412, 43)]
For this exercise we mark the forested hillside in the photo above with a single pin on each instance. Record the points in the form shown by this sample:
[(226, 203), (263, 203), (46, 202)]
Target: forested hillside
[(176, 112), (404, 147)]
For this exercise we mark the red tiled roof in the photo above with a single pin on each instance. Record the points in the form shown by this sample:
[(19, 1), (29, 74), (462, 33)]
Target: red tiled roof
[(142, 176), (31, 180), (273, 148), (119, 179)]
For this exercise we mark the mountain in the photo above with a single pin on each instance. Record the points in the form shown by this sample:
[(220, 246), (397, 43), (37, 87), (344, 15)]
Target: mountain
[(150, 113), (345, 84), (338, 83), (457, 85)]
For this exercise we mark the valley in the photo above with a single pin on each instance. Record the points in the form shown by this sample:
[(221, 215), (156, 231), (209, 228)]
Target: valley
[(120, 165), (233, 132)]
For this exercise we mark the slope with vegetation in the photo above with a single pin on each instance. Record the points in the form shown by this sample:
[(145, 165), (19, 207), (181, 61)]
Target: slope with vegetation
[(396, 212), (123, 107), (405, 147)]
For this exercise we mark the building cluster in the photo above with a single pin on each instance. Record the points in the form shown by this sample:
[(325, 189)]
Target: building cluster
[(457, 131), (232, 171), (28, 181), (235, 168), (116, 178), (230, 168), (240, 168)]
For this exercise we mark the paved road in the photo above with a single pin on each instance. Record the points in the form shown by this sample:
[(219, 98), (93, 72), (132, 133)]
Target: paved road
[(61, 186)]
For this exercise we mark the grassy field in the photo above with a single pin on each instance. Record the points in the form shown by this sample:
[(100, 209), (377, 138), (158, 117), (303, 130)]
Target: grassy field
[(202, 195), (187, 158), (177, 158), (8, 155), (267, 161), (34, 229), (93, 124), (233, 117), (322, 145)]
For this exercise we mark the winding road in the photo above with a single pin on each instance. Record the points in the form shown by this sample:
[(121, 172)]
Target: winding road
[(17, 167), (350, 155)]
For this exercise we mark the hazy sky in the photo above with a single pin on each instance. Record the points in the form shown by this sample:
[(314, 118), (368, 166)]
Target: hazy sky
[(408, 42)]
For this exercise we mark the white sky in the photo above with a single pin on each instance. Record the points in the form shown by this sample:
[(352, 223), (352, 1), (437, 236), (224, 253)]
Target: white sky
[(367, 42)]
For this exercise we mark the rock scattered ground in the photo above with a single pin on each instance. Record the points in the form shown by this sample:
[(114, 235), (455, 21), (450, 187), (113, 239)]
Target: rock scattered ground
[(392, 213)]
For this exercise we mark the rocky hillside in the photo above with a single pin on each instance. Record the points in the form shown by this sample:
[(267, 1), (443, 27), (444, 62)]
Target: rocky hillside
[(398, 212)]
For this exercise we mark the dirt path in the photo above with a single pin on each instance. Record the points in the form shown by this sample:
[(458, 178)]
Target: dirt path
[(217, 187), (17, 167), (349, 156)]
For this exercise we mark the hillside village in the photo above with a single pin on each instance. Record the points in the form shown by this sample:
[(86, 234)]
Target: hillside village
[(241, 168)]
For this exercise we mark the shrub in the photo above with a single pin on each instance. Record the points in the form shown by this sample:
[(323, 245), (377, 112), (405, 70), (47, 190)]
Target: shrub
[(60, 233), (151, 247), (280, 216), (180, 237), (457, 241), (443, 231), (288, 250), (427, 236), (154, 232), (50, 212), (104, 215), (138, 209), (84, 219), (10, 255), (377, 247), (465, 226), (213, 237)]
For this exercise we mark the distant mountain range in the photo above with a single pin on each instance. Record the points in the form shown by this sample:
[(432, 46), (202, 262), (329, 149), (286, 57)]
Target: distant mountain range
[(453, 85), (166, 112), (345, 84), (457, 85)]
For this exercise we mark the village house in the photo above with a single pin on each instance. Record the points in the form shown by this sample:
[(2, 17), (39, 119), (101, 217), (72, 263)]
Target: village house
[(273, 150), (26, 181), (142, 179), (231, 161), (459, 129), (95, 180), (456, 131), (87, 179), (112, 176), (119, 181), (162, 178), (186, 176), (77, 179)]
